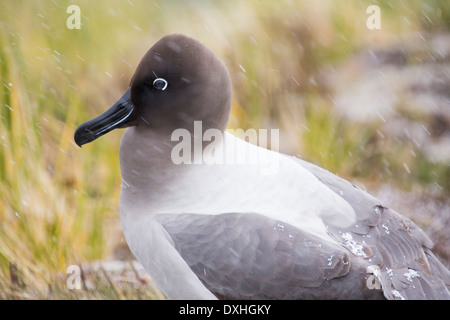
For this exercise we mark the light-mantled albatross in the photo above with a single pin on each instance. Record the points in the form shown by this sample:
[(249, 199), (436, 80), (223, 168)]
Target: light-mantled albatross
[(219, 228)]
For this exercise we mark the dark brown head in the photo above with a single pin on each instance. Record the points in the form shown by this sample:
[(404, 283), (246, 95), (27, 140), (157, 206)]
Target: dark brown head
[(177, 82)]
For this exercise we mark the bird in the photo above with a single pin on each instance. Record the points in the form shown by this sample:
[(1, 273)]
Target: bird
[(208, 226)]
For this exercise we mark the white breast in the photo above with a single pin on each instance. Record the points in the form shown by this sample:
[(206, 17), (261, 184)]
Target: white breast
[(287, 192)]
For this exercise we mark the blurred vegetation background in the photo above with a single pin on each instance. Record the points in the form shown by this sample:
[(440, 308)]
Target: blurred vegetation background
[(372, 106)]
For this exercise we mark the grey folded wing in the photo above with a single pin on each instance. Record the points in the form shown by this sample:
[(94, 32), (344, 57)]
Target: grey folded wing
[(250, 256)]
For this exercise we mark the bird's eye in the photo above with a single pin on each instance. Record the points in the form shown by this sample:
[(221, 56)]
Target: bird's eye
[(160, 84)]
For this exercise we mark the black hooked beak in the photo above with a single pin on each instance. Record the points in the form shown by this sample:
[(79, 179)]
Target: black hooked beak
[(115, 117)]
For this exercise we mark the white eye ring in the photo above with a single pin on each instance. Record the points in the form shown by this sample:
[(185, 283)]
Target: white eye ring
[(160, 84)]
